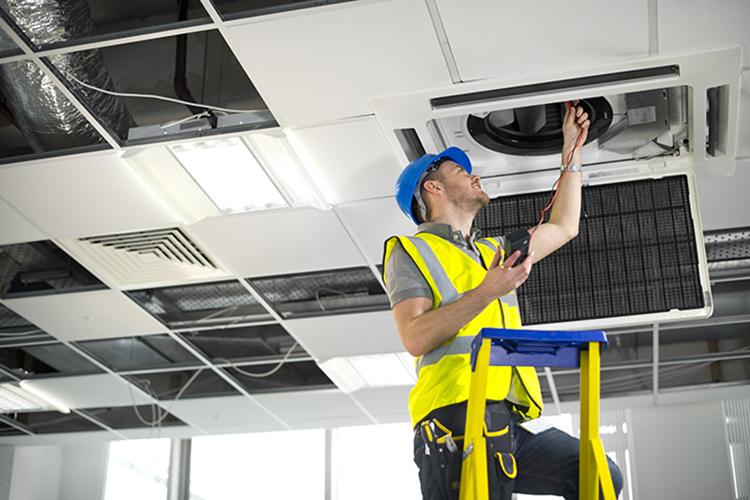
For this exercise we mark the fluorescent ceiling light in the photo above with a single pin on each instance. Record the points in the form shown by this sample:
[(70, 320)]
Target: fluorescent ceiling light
[(27, 386), (22, 398), (294, 179), (377, 370), (229, 174)]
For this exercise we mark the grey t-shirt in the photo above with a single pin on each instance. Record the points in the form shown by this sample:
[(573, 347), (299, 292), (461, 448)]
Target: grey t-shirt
[(403, 278)]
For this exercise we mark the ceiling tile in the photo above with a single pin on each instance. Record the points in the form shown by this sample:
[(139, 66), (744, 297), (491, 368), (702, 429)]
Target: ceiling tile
[(87, 315), (326, 408), (347, 334), (373, 221), (505, 40), (349, 160), (228, 412), (387, 404), (82, 195), (686, 25), (281, 242), (323, 64), (15, 227), (92, 391), (732, 191)]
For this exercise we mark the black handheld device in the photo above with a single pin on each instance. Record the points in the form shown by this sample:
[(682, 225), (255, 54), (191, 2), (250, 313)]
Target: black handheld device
[(517, 240)]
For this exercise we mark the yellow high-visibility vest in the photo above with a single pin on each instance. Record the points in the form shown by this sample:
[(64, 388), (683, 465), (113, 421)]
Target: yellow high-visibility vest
[(444, 374)]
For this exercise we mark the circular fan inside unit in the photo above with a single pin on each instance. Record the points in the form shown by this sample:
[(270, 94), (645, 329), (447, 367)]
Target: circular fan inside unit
[(534, 130)]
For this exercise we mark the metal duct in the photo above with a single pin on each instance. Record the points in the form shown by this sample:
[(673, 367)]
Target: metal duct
[(46, 118)]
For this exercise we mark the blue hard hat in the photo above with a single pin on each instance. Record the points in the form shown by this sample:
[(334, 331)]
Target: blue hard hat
[(408, 182)]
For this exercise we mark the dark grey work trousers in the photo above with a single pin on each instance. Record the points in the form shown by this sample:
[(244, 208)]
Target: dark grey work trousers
[(547, 462)]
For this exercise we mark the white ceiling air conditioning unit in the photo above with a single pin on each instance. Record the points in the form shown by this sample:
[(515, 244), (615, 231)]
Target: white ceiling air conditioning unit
[(656, 123)]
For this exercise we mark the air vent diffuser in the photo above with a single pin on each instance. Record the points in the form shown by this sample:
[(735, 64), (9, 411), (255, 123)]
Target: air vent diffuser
[(145, 257), (636, 253)]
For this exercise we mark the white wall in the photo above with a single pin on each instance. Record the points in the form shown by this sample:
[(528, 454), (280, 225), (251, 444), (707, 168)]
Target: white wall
[(6, 470), (59, 472), (681, 452)]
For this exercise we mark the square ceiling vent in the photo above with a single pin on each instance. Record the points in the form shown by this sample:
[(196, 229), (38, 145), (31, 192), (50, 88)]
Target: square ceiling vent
[(145, 257)]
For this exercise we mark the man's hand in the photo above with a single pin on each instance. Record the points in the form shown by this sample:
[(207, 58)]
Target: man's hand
[(501, 280), (575, 130)]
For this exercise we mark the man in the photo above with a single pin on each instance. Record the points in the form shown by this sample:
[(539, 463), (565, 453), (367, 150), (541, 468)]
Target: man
[(445, 284)]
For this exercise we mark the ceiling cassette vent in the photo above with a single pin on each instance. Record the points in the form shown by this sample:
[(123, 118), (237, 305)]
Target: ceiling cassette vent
[(662, 109), (145, 257), (638, 256)]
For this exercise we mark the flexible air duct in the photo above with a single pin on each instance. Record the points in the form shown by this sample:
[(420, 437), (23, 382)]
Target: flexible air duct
[(46, 118)]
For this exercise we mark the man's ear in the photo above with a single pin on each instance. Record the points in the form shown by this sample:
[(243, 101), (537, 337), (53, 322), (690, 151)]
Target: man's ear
[(432, 186)]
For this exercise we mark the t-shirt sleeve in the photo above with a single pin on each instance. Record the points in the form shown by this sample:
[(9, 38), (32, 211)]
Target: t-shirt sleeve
[(403, 278)]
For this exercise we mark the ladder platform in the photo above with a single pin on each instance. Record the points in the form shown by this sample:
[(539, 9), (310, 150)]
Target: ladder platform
[(536, 347)]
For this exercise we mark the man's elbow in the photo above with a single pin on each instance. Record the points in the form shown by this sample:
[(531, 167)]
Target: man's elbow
[(413, 347), (572, 232)]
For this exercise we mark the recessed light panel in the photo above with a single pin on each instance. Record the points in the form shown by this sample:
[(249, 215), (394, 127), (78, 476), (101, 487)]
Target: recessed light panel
[(229, 174)]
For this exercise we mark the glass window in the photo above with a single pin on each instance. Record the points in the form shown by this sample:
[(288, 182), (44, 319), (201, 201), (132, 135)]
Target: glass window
[(363, 456), (280, 465), (138, 469)]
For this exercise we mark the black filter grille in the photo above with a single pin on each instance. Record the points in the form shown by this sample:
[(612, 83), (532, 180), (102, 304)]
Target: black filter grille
[(205, 304), (635, 253), (322, 293)]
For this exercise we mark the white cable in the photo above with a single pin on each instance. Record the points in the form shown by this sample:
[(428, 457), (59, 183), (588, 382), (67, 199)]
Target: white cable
[(21, 334), (263, 374), (161, 98), (167, 411), (317, 295)]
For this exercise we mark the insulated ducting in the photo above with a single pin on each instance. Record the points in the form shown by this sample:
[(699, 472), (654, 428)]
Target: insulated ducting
[(46, 118)]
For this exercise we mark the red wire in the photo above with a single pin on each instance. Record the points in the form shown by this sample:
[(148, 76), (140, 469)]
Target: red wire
[(555, 186)]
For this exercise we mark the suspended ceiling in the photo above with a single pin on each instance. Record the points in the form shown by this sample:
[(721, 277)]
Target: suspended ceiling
[(313, 67)]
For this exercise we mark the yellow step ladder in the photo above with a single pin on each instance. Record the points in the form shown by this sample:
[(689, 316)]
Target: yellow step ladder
[(504, 347)]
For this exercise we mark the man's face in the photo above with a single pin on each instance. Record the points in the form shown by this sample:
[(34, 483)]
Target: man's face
[(463, 190)]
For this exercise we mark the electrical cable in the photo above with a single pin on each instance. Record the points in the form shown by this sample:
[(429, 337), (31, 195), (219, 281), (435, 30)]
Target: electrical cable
[(262, 374), (158, 420), (555, 187), (21, 334), (160, 98), (317, 295)]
